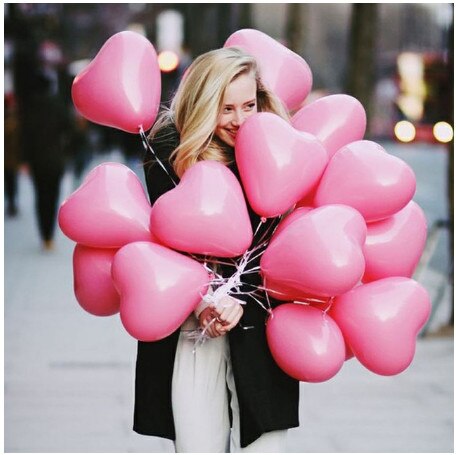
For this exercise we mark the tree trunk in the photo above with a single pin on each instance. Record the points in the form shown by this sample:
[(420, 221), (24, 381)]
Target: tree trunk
[(200, 27), (245, 15), (226, 21), (295, 28), (361, 61)]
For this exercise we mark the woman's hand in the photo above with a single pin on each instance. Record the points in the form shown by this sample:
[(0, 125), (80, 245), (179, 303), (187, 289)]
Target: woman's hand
[(227, 313)]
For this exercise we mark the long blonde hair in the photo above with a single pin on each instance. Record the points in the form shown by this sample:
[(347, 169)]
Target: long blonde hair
[(196, 105)]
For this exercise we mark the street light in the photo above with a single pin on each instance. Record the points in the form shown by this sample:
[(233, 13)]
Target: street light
[(405, 131), (443, 132), (168, 61)]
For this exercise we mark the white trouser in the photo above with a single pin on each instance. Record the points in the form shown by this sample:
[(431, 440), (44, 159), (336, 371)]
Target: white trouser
[(200, 400)]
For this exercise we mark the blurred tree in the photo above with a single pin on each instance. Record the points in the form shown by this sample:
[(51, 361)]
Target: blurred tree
[(296, 26), (362, 50), (245, 15), (200, 24), (226, 22), (208, 25)]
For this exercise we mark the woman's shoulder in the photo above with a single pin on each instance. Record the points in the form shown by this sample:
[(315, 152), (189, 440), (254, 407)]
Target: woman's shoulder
[(162, 143), (165, 139)]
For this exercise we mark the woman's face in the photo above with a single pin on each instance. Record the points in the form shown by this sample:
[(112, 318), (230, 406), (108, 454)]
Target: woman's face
[(239, 103)]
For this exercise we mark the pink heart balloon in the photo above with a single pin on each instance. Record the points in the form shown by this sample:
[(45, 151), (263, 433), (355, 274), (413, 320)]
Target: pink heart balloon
[(282, 71), (277, 290), (158, 289), (308, 199), (394, 246), (286, 293), (365, 177), (294, 215), (381, 320), (121, 87), (336, 120), (206, 213), (278, 164), (109, 209), (93, 284), (305, 342), (319, 253)]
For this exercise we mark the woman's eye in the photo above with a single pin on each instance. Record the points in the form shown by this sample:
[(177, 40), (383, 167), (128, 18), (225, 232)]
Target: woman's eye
[(251, 106), (227, 110)]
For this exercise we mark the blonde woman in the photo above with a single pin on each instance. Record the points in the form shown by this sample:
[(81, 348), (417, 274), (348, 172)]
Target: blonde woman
[(229, 394)]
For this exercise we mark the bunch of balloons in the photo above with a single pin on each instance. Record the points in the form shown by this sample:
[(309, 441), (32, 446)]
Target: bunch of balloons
[(341, 258)]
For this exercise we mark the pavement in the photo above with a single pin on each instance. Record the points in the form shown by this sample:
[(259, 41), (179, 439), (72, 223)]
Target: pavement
[(69, 375)]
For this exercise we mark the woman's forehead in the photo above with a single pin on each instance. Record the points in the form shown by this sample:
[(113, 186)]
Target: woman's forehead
[(241, 90)]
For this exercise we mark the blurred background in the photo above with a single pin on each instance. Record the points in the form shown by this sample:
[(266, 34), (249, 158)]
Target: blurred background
[(69, 375)]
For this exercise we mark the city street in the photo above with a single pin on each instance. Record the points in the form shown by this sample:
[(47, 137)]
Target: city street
[(69, 375)]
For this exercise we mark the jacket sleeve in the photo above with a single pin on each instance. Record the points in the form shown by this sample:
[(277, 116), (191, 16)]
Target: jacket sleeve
[(159, 181)]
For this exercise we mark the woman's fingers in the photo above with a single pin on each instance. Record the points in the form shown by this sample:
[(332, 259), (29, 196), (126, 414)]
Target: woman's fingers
[(229, 313), (212, 328), (231, 319), (227, 308), (226, 313), (234, 319)]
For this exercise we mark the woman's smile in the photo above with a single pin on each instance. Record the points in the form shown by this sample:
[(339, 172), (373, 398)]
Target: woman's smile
[(239, 103)]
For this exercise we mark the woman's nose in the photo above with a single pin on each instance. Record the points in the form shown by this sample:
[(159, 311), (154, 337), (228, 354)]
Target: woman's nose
[(238, 118)]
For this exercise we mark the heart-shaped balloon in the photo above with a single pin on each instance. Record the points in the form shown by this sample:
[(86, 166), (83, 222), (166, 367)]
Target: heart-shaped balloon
[(294, 215), (319, 253), (364, 176), (278, 291), (109, 209), (381, 320), (336, 120), (394, 246), (93, 284), (158, 289), (286, 293), (308, 199), (282, 71), (305, 342), (121, 87), (278, 164), (206, 213)]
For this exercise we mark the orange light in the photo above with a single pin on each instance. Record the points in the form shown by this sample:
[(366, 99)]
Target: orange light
[(168, 61), (443, 132), (405, 131)]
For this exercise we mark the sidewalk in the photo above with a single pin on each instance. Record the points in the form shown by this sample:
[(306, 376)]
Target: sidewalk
[(69, 375)]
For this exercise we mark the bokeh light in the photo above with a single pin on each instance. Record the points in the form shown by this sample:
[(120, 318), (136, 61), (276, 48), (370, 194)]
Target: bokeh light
[(405, 131), (443, 132), (168, 61)]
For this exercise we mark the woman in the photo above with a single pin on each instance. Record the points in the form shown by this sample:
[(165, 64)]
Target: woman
[(231, 380)]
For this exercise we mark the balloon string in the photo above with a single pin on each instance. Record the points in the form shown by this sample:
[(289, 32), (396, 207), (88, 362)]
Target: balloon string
[(147, 146), (306, 301), (232, 284), (258, 227), (257, 255), (216, 261), (273, 225)]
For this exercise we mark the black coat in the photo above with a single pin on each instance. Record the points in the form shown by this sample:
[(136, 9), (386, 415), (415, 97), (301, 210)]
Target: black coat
[(268, 398)]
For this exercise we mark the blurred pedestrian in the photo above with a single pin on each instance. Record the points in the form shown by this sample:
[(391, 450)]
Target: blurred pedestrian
[(44, 148), (231, 381), (132, 149), (79, 146), (12, 156)]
